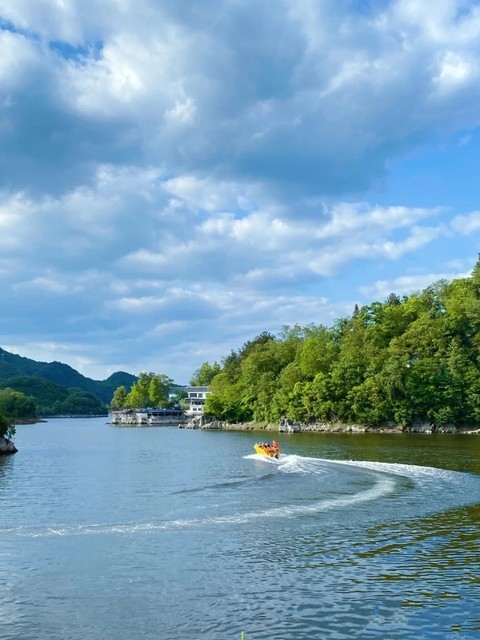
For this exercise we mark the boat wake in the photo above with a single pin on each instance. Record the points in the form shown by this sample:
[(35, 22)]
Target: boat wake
[(345, 489), (282, 459)]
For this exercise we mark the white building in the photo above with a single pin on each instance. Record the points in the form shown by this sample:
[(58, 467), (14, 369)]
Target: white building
[(196, 400)]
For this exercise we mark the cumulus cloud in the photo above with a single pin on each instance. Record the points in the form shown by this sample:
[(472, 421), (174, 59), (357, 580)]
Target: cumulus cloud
[(466, 224), (176, 177), (406, 285), (305, 93)]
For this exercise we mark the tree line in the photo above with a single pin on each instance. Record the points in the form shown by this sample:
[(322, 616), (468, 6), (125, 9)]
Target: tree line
[(154, 390), (28, 397), (405, 360), (402, 361)]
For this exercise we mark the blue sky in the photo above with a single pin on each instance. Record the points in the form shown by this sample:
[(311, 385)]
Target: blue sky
[(177, 177)]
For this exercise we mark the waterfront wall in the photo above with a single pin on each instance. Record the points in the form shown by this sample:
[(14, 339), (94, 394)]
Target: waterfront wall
[(325, 427)]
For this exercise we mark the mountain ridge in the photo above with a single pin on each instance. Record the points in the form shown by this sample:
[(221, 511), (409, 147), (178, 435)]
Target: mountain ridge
[(13, 365)]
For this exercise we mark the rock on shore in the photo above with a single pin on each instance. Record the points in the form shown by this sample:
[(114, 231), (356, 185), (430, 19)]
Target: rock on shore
[(7, 446), (202, 422)]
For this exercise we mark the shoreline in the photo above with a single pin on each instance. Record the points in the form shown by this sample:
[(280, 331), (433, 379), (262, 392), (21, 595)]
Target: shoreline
[(7, 447), (218, 425)]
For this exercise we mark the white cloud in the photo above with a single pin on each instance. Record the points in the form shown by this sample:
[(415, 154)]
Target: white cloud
[(451, 21), (45, 283), (130, 74), (177, 178), (210, 195), (466, 224), (455, 68), (347, 218), (341, 97), (406, 285), (18, 54)]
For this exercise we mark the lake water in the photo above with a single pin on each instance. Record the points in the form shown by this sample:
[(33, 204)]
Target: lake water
[(162, 533)]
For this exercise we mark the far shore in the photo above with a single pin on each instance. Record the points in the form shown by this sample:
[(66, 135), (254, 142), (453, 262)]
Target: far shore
[(203, 422), (324, 427), (47, 418)]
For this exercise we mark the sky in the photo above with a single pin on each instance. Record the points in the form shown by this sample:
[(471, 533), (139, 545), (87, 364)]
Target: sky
[(177, 176)]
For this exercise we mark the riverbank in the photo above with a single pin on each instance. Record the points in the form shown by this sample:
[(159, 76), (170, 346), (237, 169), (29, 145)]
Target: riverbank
[(325, 427)]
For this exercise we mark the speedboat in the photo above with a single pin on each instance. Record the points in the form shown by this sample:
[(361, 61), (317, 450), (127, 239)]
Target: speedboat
[(268, 449)]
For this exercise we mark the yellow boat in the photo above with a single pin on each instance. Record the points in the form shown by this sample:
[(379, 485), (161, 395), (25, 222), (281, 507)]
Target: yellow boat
[(268, 449)]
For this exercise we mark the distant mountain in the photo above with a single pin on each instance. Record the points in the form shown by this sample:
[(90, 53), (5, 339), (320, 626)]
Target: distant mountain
[(44, 393), (51, 399), (13, 366)]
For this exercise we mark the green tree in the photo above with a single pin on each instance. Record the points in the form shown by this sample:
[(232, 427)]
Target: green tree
[(368, 403), (43, 392), (159, 390), (150, 390), (317, 353), (7, 429), (259, 372), (231, 366), (16, 405), (356, 353), (178, 397), (79, 402), (227, 400), (282, 398), (139, 395), (119, 398), (409, 359), (205, 374)]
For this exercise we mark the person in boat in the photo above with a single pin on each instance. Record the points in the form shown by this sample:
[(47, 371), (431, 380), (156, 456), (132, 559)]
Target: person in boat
[(270, 448)]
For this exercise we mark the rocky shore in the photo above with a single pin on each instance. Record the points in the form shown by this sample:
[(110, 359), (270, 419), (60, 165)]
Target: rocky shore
[(202, 422), (6, 446)]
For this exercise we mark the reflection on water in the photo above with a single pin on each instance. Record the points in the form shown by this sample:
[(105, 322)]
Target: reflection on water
[(434, 563), (446, 549)]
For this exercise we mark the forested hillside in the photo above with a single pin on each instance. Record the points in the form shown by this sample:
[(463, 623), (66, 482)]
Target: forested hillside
[(46, 398), (29, 389), (12, 366), (401, 361)]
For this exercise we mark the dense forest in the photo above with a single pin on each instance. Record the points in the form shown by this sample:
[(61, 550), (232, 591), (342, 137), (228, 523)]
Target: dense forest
[(403, 361), (14, 366), (22, 397), (29, 389), (149, 390)]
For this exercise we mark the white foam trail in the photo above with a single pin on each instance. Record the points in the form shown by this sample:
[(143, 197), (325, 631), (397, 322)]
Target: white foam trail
[(410, 471), (384, 485), (275, 461)]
